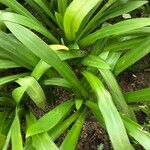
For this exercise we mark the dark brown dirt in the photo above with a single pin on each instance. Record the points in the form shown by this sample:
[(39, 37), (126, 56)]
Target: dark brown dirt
[(130, 81), (57, 97), (93, 136)]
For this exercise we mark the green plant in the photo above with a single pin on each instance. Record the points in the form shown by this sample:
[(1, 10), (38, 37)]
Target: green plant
[(73, 32), (147, 8)]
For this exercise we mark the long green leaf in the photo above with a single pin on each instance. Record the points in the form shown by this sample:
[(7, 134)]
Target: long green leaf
[(6, 145), (7, 118), (42, 66), (42, 16), (34, 90), (140, 32), (138, 96), (16, 139), (6, 64), (74, 17), (3, 117), (40, 141), (7, 101), (62, 5), (112, 59), (18, 93), (30, 40), (123, 45), (110, 114), (8, 79), (45, 8), (121, 8), (28, 22), (137, 132), (57, 82), (29, 146), (12, 49), (59, 20), (117, 95), (15, 6), (92, 23), (117, 10), (132, 56), (43, 142), (51, 119), (61, 127), (40, 69), (95, 61), (71, 139), (116, 29), (2, 140), (71, 54), (134, 130)]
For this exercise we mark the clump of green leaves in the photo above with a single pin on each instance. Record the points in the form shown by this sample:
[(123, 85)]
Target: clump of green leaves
[(66, 29)]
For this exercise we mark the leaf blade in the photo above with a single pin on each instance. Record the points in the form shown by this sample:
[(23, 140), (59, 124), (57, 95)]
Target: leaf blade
[(71, 139), (44, 124), (137, 132), (116, 29), (73, 17), (110, 114), (34, 90), (30, 40), (132, 56), (138, 96)]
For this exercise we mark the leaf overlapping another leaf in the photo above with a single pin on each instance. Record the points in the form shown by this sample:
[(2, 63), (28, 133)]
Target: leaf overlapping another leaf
[(110, 114), (113, 30)]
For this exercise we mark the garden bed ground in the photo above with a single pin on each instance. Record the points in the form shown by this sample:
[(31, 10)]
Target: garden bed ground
[(92, 134)]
